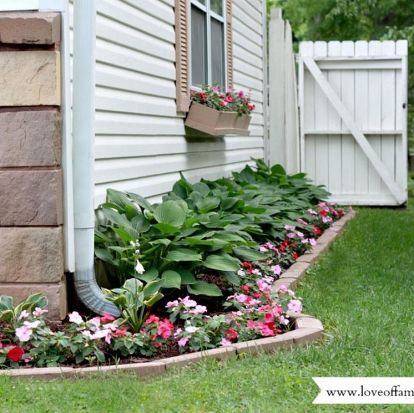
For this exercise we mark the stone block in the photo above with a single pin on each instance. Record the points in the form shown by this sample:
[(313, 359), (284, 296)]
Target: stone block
[(30, 78), (222, 353), (265, 345), (30, 138), (55, 293), (297, 270), (30, 28), (31, 255), (31, 197)]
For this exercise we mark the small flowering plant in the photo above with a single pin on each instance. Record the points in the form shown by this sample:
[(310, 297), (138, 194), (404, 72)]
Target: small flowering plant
[(230, 101)]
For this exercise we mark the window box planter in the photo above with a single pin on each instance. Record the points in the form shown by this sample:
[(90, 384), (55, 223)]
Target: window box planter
[(217, 123)]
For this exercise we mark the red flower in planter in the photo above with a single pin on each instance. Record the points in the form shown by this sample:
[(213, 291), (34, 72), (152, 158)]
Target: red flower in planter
[(323, 212), (245, 288), (295, 255), (231, 334), (317, 231), (15, 354), (120, 332)]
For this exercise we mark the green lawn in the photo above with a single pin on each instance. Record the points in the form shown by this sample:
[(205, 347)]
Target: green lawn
[(362, 291)]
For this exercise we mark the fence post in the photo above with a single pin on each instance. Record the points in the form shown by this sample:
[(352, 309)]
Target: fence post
[(283, 111)]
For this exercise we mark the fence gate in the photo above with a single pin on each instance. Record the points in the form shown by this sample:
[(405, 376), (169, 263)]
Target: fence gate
[(353, 118)]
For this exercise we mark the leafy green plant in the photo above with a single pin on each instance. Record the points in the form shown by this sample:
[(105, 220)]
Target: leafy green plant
[(135, 299), (10, 313)]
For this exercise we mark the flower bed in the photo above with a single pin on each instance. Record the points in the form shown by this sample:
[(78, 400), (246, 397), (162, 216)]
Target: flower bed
[(193, 273)]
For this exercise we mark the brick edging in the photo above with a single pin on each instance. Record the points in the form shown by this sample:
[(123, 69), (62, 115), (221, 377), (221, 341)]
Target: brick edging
[(307, 329)]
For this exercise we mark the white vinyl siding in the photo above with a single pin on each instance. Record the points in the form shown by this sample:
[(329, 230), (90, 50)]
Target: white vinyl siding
[(140, 143)]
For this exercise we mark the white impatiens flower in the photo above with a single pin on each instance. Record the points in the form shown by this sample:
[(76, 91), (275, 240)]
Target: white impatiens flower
[(75, 318), (191, 329), (139, 268)]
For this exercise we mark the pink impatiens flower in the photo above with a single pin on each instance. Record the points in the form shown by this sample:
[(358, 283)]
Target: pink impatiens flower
[(165, 328), (276, 269), (182, 341), (224, 342), (24, 333), (282, 289), (295, 306), (24, 314), (39, 311)]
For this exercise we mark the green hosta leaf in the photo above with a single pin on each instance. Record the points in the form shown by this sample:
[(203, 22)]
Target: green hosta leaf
[(103, 254), (204, 288), (142, 202), (222, 263), (149, 275), (140, 223), (202, 188), (183, 254), (187, 277), (215, 243), (278, 170), (6, 302), (229, 203), (115, 217), (207, 204), (231, 277), (171, 213), (249, 254), (167, 228), (172, 279), (162, 241), (152, 288)]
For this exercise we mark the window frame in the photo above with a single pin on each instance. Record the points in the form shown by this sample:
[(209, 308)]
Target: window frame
[(222, 19)]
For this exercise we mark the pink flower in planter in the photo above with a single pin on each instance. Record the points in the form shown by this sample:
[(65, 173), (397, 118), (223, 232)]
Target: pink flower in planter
[(262, 248), (302, 221), (171, 304), (229, 99), (188, 302), (276, 269), (295, 306), (165, 328), (256, 272), (152, 319), (312, 241), (327, 219), (263, 285), (282, 289), (105, 333), (312, 211), (95, 322), (299, 234), (266, 329), (24, 314), (182, 341), (24, 333), (39, 311), (251, 325), (241, 94), (107, 318), (199, 309), (268, 318), (277, 310), (216, 89), (75, 317), (291, 235), (283, 320), (241, 273), (224, 342)]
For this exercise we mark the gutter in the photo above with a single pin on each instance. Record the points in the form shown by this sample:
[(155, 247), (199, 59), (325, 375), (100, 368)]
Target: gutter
[(84, 38)]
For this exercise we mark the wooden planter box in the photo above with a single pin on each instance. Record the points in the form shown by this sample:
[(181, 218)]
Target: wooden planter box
[(216, 123)]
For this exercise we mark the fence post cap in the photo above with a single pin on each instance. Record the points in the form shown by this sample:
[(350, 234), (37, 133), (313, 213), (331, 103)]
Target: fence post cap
[(276, 13)]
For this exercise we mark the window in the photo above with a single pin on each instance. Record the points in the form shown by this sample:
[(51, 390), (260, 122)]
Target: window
[(204, 46), (207, 43)]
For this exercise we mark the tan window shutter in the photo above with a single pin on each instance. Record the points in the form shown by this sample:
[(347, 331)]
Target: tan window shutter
[(229, 43), (182, 30)]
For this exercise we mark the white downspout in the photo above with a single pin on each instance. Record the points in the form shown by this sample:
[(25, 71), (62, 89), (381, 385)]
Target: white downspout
[(83, 156)]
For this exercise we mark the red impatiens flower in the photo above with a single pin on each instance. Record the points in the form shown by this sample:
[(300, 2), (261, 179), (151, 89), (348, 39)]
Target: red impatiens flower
[(295, 255), (15, 353), (323, 212), (248, 265), (120, 332), (231, 334), (245, 288), (152, 319), (317, 230), (165, 328)]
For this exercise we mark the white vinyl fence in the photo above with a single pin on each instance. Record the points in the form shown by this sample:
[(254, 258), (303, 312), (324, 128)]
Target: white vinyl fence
[(283, 108), (353, 110)]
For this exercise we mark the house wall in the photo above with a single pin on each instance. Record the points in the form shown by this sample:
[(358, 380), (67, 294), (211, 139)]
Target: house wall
[(31, 211), (140, 139)]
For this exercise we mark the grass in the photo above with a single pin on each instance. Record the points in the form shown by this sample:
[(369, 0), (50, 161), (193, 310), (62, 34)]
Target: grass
[(362, 291)]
